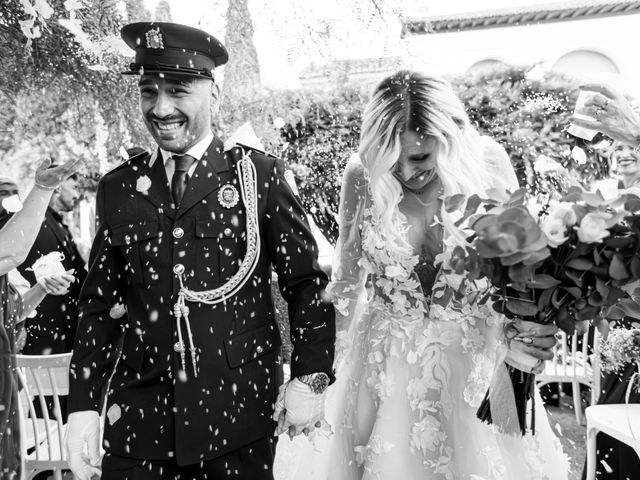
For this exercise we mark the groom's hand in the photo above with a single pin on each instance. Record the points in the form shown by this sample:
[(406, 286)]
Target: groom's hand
[(83, 428), (298, 409)]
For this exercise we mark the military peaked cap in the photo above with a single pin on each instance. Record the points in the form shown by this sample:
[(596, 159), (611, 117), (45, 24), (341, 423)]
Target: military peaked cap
[(173, 48)]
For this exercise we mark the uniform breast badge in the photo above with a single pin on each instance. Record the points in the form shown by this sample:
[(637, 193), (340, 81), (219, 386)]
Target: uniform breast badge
[(228, 196), (154, 38)]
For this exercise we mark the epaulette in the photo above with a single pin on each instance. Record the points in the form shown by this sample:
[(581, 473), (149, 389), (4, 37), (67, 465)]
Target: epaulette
[(257, 150), (129, 155)]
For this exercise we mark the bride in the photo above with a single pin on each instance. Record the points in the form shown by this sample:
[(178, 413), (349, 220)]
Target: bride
[(410, 375)]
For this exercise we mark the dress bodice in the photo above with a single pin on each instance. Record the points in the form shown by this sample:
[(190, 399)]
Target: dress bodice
[(426, 269)]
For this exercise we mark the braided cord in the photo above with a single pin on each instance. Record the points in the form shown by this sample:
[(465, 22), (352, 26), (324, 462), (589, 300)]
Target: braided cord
[(249, 191)]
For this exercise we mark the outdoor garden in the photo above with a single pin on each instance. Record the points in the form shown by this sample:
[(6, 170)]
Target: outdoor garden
[(63, 97)]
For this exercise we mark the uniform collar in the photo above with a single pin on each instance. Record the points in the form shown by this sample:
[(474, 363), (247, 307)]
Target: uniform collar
[(197, 151), (55, 214)]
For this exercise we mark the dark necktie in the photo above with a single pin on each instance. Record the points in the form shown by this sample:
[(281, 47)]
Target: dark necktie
[(180, 177)]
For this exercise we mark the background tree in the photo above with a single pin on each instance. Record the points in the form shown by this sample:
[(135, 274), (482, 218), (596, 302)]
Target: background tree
[(62, 94), (163, 12), (242, 85), (136, 11)]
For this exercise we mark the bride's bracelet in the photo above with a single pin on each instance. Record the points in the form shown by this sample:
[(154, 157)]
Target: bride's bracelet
[(44, 187)]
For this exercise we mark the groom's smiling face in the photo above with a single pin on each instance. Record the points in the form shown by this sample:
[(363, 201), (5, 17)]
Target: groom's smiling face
[(176, 109)]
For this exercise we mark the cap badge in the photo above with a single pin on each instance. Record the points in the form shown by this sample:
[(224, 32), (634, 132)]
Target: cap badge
[(154, 38), (228, 196)]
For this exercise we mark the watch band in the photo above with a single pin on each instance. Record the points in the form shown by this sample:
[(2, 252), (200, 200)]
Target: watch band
[(317, 382)]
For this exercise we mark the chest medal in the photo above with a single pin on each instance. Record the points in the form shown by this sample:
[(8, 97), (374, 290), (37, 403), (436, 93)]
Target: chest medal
[(228, 196)]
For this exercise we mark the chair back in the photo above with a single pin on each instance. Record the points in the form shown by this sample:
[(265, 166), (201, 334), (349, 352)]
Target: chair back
[(571, 357), (574, 362), (42, 379)]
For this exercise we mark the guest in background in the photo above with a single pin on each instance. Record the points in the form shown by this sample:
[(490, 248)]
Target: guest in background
[(52, 329), (626, 161), (615, 460), (16, 238), (611, 113)]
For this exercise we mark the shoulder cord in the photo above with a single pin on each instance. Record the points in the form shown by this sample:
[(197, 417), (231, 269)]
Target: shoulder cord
[(249, 191)]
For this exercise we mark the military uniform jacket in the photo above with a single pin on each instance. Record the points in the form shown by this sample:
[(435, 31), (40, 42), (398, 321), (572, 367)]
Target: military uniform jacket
[(155, 410)]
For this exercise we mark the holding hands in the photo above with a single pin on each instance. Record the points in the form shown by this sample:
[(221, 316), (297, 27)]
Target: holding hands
[(299, 409), (611, 114)]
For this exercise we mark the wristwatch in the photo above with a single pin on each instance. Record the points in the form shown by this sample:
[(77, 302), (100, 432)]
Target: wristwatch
[(317, 382)]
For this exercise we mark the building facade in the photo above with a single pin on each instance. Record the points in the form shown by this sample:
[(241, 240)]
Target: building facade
[(588, 40)]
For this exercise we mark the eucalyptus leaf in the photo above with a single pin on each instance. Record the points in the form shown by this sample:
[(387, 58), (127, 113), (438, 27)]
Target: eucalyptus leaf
[(543, 280), (580, 263), (454, 202), (635, 266), (630, 307), (545, 298), (617, 268), (519, 307)]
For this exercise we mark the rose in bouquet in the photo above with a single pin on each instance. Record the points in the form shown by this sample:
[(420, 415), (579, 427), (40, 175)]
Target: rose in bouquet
[(544, 260)]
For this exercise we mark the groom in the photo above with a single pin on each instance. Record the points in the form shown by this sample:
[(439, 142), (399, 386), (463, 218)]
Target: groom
[(181, 265)]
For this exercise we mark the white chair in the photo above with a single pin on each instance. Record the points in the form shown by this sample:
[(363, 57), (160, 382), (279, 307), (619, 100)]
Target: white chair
[(572, 365), (42, 439), (619, 421)]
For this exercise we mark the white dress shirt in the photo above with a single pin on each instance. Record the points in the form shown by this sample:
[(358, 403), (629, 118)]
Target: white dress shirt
[(197, 152)]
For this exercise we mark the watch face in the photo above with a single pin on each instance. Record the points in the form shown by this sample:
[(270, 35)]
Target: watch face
[(320, 382)]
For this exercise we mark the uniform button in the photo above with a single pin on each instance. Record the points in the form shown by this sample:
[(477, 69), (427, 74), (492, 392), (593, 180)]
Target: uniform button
[(178, 232), (227, 232), (259, 349), (178, 269)]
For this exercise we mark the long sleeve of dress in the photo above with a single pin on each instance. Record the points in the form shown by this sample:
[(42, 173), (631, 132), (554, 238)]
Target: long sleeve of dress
[(347, 286)]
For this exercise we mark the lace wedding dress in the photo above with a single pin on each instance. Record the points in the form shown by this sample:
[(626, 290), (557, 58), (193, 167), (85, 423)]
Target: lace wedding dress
[(410, 376)]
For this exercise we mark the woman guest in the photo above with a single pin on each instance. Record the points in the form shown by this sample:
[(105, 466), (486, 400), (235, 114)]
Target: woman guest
[(410, 376), (627, 164), (610, 113), (16, 238), (615, 460)]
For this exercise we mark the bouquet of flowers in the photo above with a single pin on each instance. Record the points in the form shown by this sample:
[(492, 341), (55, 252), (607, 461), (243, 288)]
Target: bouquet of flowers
[(544, 260)]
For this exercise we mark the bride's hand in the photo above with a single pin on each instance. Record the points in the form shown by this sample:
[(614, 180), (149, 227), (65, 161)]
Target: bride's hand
[(529, 344), (532, 338)]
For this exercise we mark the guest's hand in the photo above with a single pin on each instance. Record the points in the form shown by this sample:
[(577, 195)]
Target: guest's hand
[(612, 114), (58, 283), (49, 177)]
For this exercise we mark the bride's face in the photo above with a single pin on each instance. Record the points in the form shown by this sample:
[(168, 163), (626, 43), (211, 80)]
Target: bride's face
[(417, 163)]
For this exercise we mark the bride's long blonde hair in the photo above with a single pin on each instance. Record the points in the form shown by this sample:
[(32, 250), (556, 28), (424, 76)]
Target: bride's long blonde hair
[(412, 101)]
